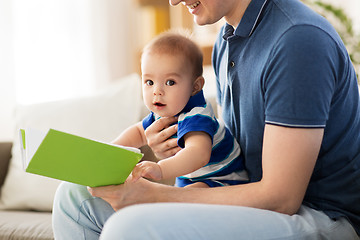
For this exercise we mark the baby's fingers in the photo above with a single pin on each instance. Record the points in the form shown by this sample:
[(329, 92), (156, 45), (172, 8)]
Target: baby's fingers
[(136, 173)]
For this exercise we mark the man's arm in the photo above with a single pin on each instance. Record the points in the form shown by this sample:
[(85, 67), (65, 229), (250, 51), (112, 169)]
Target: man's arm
[(289, 157)]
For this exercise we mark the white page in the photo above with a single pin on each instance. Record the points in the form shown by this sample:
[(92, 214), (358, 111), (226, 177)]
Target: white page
[(136, 150), (22, 149), (33, 139)]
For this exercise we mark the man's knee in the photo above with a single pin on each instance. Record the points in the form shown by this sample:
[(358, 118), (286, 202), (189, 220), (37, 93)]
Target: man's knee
[(69, 194), (134, 222)]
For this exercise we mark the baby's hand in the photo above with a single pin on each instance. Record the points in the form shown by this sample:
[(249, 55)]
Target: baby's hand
[(146, 169)]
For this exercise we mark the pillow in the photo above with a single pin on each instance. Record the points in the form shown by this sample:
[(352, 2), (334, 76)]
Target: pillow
[(101, 116)]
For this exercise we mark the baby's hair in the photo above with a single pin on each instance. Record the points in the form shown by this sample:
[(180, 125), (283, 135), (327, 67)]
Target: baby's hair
[(178, 42)]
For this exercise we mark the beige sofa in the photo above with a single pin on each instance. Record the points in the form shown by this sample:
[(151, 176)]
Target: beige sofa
[(21, 224), (26, 224), (26, 199)]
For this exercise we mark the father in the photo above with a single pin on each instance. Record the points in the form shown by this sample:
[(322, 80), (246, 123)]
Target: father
[(288, 92)]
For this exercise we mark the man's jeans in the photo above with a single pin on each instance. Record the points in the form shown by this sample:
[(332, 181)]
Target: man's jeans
[(78, 215)]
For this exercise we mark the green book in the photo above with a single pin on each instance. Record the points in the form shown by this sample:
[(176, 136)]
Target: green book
[(76, 159)]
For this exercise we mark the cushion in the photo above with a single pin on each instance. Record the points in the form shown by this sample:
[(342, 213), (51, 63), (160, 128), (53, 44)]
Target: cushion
[(101, 116), (25, 225)]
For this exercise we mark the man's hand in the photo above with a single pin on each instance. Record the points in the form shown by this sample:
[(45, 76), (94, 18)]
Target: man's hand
[(158, 137), (129, 193)]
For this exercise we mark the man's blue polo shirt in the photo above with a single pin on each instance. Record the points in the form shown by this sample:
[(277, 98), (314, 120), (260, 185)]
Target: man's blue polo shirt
[(286, 65)]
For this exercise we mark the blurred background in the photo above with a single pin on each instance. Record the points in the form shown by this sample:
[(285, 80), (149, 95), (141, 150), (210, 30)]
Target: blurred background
[(59, 49)]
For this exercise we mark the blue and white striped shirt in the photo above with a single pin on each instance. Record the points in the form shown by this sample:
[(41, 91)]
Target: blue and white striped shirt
[(226, 164)]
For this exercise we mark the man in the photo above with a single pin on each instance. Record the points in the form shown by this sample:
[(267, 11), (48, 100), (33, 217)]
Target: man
[(288, 93)]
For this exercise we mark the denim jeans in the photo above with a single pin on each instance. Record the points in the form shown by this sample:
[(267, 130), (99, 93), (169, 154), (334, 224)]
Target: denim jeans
[(78, 215)]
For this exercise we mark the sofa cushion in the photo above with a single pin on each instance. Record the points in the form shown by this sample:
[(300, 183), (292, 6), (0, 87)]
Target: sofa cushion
[(102, 116), (25, 225)]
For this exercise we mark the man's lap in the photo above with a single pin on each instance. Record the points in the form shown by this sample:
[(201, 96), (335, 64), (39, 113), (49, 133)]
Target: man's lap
[(178, 221), (199, 221)]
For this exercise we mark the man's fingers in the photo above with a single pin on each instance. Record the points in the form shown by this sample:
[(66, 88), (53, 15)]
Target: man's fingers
[(153, 139), (169, 132), (166, 149), (100, 191), (168, 153), (170, 143), (158, 136), (171, 152), (162, 123)]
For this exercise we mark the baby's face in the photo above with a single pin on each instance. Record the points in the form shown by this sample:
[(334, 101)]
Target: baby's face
[(167, 83)]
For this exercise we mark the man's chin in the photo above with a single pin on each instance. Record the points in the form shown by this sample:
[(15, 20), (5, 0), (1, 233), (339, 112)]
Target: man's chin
[(202, 22)]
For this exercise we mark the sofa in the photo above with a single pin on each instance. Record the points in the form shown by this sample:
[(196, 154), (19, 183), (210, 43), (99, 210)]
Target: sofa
[(26, 199), (30, 224), (21, 224)]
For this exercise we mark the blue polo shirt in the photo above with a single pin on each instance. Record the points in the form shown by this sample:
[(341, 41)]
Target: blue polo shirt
[(286, 65)]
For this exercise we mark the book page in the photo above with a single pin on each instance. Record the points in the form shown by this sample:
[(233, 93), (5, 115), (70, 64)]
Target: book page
[(22, 147), (33, 139), (136, 150)]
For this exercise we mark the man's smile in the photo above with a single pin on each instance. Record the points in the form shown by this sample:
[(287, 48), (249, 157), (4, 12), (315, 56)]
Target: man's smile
[(194, 5)]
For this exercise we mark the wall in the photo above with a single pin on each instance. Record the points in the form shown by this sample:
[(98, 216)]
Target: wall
[(7, 85), (352, 8), (80, 47), (114, 39)]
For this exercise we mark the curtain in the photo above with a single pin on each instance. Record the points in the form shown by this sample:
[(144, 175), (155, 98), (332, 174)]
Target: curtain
[(63, 48), (57, 49)]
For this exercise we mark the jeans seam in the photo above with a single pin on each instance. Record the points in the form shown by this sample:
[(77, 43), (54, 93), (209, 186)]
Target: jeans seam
[(81, 207)]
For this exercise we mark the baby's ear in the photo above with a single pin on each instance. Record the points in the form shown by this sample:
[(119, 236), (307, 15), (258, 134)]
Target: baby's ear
[(198, 85)]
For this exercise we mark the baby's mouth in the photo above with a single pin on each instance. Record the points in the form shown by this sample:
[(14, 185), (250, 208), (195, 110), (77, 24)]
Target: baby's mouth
[(159, 104)]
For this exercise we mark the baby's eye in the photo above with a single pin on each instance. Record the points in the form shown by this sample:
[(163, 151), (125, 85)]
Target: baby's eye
[(170, 82), (149, 82)]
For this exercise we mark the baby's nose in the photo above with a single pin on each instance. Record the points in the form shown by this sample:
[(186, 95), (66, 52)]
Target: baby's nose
[(158, 91)]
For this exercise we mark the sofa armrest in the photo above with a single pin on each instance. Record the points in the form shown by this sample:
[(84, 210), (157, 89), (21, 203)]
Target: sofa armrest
[(5, 155)]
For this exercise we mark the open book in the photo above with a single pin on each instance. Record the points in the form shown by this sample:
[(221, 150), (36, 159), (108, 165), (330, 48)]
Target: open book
[(76, 159)]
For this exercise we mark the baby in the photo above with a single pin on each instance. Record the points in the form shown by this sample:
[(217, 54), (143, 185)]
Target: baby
[(172, 80)]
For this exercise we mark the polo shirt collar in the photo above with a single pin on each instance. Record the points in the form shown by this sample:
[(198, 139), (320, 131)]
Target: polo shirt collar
[(248, 21), (195, 101)]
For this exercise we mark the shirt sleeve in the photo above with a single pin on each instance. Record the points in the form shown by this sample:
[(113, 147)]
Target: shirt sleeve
[(299, 78), (198, 122)]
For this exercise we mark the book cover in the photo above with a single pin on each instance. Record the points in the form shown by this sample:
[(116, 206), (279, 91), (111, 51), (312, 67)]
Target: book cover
[(76, 159)]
